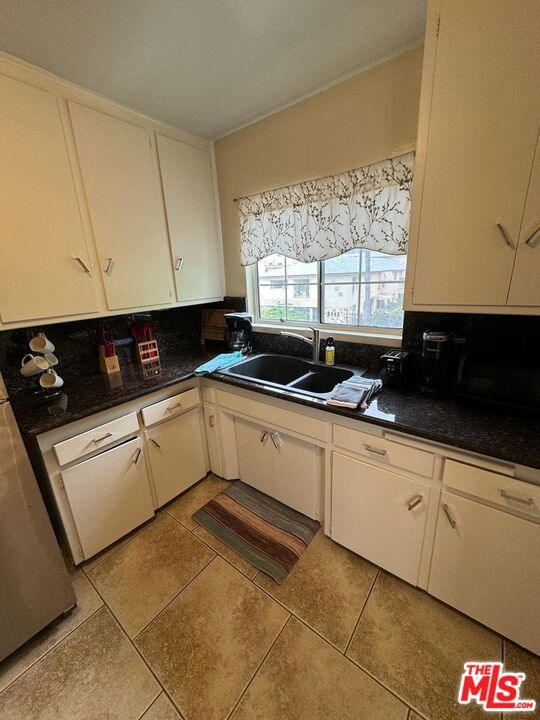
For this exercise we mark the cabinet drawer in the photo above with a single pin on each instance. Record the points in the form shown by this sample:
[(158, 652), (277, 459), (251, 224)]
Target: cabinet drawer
[(384, 451), (168, 408), (100, 437), (498, 489)]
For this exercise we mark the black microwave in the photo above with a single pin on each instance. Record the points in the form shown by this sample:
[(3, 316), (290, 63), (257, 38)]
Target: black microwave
[(491, 373)]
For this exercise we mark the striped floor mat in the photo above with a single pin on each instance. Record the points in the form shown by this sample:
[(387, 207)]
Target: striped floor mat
[(263, 531)]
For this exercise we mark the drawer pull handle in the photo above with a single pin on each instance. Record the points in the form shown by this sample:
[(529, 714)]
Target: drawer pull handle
[(155, 443), (173, 407), (415, 502), (524, 501), (103, 437), (532, 235), (263, 437), (449, 516), (212, 421), (109, 267), (179, 263), (375, 450), (137, 456)]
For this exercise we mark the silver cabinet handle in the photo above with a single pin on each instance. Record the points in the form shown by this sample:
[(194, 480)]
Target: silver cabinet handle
[(109, 267), (506, 235), (179, 263), (263, 437), (449, 516), (532, 235), (87, 269), (375, 450), (103, 437), (524, 501), (276, 439), (137, 455), (212, 421), (414, 502), (155, 443)]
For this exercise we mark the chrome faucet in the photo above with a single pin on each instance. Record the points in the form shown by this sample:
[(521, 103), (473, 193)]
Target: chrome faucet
[(315, 341)]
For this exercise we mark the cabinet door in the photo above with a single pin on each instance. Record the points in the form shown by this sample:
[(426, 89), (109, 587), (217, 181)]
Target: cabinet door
[(121, 187), (482, 134), (487, 566), (296, 474), (176, 455), (255, 456), (109, 495), (212, 437), (525, 285), (371, 516), (42, 234), (188, 189)]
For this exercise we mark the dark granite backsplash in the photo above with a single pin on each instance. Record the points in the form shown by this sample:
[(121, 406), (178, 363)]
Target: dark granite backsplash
[(177, 330)]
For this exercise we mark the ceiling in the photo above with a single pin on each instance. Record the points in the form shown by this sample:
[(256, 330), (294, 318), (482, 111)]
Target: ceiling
[(208, 66)]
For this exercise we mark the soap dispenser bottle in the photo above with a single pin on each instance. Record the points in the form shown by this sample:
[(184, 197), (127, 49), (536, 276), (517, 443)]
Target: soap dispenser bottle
[(330, 352)]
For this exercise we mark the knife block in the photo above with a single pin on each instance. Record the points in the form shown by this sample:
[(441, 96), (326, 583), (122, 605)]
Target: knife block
[(147, 351), (108, 365)]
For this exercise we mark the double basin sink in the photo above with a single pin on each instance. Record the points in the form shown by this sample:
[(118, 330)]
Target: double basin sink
[(292, 374)]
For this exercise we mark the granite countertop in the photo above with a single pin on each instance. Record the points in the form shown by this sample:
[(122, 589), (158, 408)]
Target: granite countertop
[(496, 433)]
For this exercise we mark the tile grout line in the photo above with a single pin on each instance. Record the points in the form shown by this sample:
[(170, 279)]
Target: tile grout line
[(57, 644), (258, 668), (141, 656), (375, 578)]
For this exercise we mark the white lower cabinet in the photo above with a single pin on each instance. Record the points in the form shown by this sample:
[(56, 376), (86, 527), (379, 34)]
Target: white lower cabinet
[(108, 495), (212, 438), (486, 563), (176, 454), (379, 514), (279, 465)]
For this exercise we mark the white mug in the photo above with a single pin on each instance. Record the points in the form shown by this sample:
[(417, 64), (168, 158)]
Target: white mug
[(41, 344), (33, 366), (50, 380), (51, 359)]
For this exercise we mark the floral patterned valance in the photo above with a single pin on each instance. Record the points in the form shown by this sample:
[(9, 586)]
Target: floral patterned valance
[(364, 208)]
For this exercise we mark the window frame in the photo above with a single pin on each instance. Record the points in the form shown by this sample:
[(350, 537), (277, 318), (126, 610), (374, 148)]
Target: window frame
[(353, 332)]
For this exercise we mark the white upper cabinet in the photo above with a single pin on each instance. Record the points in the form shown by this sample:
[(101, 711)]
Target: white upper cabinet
[(45, 268), (478, 130), (188, 189), (122, 192), (525, 287)]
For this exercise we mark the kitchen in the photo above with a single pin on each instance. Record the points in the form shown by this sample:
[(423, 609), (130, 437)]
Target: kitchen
[(269, 401)]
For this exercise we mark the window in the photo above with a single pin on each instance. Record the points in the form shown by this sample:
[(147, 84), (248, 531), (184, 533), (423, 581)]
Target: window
[(360, 289)]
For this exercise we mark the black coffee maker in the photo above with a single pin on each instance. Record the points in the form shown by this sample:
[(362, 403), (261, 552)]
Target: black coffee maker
[(238, 334), (436, 362)]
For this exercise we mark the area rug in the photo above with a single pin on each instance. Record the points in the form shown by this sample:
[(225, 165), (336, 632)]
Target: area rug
[(263, 531)]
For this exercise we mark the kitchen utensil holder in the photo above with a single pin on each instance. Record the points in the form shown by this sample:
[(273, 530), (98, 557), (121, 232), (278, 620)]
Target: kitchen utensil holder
[(147, 351), (110, 364)]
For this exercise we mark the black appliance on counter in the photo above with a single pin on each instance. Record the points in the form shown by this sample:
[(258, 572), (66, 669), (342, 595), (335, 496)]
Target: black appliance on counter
[(504, 375), (437, 361), (396, 368), (238, 334)]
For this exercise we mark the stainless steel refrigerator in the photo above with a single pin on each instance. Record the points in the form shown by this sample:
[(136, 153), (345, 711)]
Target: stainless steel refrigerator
[(34, 583)]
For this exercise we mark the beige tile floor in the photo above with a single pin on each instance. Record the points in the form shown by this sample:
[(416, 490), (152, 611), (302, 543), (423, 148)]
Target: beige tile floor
[(171, 624)]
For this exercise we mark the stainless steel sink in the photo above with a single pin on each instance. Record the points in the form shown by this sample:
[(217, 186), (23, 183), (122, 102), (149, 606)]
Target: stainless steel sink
[(292, 374)]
